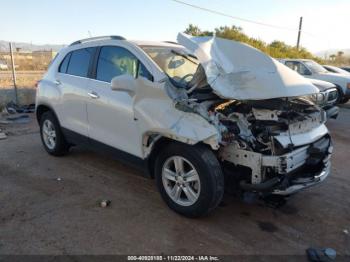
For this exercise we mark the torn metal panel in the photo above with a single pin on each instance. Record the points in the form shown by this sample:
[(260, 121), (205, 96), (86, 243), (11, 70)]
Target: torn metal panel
[(257, 162), (238, 71), (165, 120), (302, 138)]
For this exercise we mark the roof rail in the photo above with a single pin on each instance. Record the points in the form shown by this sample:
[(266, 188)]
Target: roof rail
[(107, 37), (171, 42)]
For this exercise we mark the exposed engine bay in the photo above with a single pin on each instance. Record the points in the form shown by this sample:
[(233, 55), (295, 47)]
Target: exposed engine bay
[(260, 138), (253, 124)]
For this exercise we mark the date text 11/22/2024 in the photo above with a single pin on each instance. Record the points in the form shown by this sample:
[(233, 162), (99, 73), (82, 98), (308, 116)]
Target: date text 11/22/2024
[(173, 258)]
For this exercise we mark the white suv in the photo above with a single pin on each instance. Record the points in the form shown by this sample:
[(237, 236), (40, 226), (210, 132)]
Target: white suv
[(202, 116)]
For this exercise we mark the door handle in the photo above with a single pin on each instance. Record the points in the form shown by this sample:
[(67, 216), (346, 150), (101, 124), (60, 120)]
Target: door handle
[(93, 95), (57, 82)]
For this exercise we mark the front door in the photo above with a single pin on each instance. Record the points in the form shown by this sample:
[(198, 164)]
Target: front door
[(110, 113)]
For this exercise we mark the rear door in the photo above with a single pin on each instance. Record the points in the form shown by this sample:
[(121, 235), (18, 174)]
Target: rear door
[(72, 79), (110, 113)]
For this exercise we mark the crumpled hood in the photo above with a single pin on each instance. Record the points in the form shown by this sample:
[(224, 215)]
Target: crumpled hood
[(238, 71)]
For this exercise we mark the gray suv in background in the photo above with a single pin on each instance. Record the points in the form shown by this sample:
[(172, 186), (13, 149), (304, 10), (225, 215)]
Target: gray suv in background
[(310, 69)]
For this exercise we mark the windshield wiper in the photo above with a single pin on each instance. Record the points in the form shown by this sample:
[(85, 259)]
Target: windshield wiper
[(187, 56)]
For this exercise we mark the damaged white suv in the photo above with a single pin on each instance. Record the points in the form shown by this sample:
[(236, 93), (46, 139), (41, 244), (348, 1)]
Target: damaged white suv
[(200, 115)]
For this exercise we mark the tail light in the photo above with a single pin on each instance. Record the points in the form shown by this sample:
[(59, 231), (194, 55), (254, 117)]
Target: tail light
[(37, 83)]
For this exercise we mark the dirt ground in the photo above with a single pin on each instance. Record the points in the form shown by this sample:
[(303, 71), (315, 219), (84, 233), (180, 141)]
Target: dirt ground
[(41, 214)]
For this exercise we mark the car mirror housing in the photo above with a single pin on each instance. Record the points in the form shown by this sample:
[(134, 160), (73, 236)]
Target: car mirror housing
[(125, 83)]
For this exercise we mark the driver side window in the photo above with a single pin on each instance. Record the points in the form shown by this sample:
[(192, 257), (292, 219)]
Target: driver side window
[(115, 61)]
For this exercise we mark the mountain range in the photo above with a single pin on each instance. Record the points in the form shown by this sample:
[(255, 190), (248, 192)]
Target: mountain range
[(4, 46), (333, 51)]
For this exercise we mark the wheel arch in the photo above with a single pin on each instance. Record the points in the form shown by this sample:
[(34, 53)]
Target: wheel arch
[(340, 90), (159, 143), (43, 108)]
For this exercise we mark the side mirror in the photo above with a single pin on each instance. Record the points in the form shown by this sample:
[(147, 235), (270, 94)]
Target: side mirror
[(125, 83)]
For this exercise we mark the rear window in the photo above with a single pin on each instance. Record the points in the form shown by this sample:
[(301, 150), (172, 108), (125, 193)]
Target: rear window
[(64, 65), (77, 62)]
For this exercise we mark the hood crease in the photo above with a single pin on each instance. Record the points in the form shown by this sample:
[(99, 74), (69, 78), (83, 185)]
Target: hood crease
[(239, 71)]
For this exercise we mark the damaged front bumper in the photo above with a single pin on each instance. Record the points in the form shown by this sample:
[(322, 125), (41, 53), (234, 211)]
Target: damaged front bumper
[(298, 184), (285, 174)]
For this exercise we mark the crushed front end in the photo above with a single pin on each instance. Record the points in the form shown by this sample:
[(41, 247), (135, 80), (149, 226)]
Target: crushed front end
[(272, 137), (277, 146)]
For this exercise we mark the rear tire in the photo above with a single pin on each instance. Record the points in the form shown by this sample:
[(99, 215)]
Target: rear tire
[(51, 135), (194, 189)]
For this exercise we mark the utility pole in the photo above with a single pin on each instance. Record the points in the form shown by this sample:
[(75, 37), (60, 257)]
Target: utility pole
[(13, 72), (299, 32)]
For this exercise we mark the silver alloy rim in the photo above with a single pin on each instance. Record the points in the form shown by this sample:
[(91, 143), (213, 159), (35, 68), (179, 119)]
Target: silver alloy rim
[(181, 181), (49, 134)]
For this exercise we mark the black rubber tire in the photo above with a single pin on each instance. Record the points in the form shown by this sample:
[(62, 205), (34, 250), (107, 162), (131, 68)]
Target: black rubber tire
[(344, 100), (62, 147), (341, 99), (210, 174)]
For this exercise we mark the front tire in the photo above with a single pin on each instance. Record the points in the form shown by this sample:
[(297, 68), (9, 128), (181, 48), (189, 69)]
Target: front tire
[(189, 179), (51, 135), (341, 98)]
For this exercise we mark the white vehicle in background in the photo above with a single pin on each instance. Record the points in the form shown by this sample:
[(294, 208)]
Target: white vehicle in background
[(3, 66), (310, 69), (201, 116), (337, 70)]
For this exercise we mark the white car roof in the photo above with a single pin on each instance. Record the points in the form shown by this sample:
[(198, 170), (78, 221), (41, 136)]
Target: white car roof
[(155, 43)]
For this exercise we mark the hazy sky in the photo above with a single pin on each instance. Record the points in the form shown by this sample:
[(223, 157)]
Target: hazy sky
[(63, 21)]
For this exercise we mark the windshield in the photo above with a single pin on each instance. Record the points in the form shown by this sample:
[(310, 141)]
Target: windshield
[(337, 70), (315, 68), (177, 63)]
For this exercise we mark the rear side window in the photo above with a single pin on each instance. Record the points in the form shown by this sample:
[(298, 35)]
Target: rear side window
[(114, 61), (79, 62), (64, 65)]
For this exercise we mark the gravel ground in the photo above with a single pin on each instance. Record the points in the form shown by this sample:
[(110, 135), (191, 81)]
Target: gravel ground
[(41, 214)]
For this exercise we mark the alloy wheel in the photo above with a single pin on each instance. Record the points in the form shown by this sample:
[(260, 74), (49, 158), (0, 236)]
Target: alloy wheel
[(181, 181)]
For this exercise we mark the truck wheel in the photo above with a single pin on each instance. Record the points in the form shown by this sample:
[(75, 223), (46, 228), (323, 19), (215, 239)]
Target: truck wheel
[(341, 99), (189, 179), (51, 135), (344, 100)]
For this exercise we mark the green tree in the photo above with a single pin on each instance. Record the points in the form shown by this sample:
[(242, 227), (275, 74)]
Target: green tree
[(195, 31), (277, 49)]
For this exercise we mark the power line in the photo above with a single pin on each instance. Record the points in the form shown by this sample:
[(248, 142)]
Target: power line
[(234, 17)]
